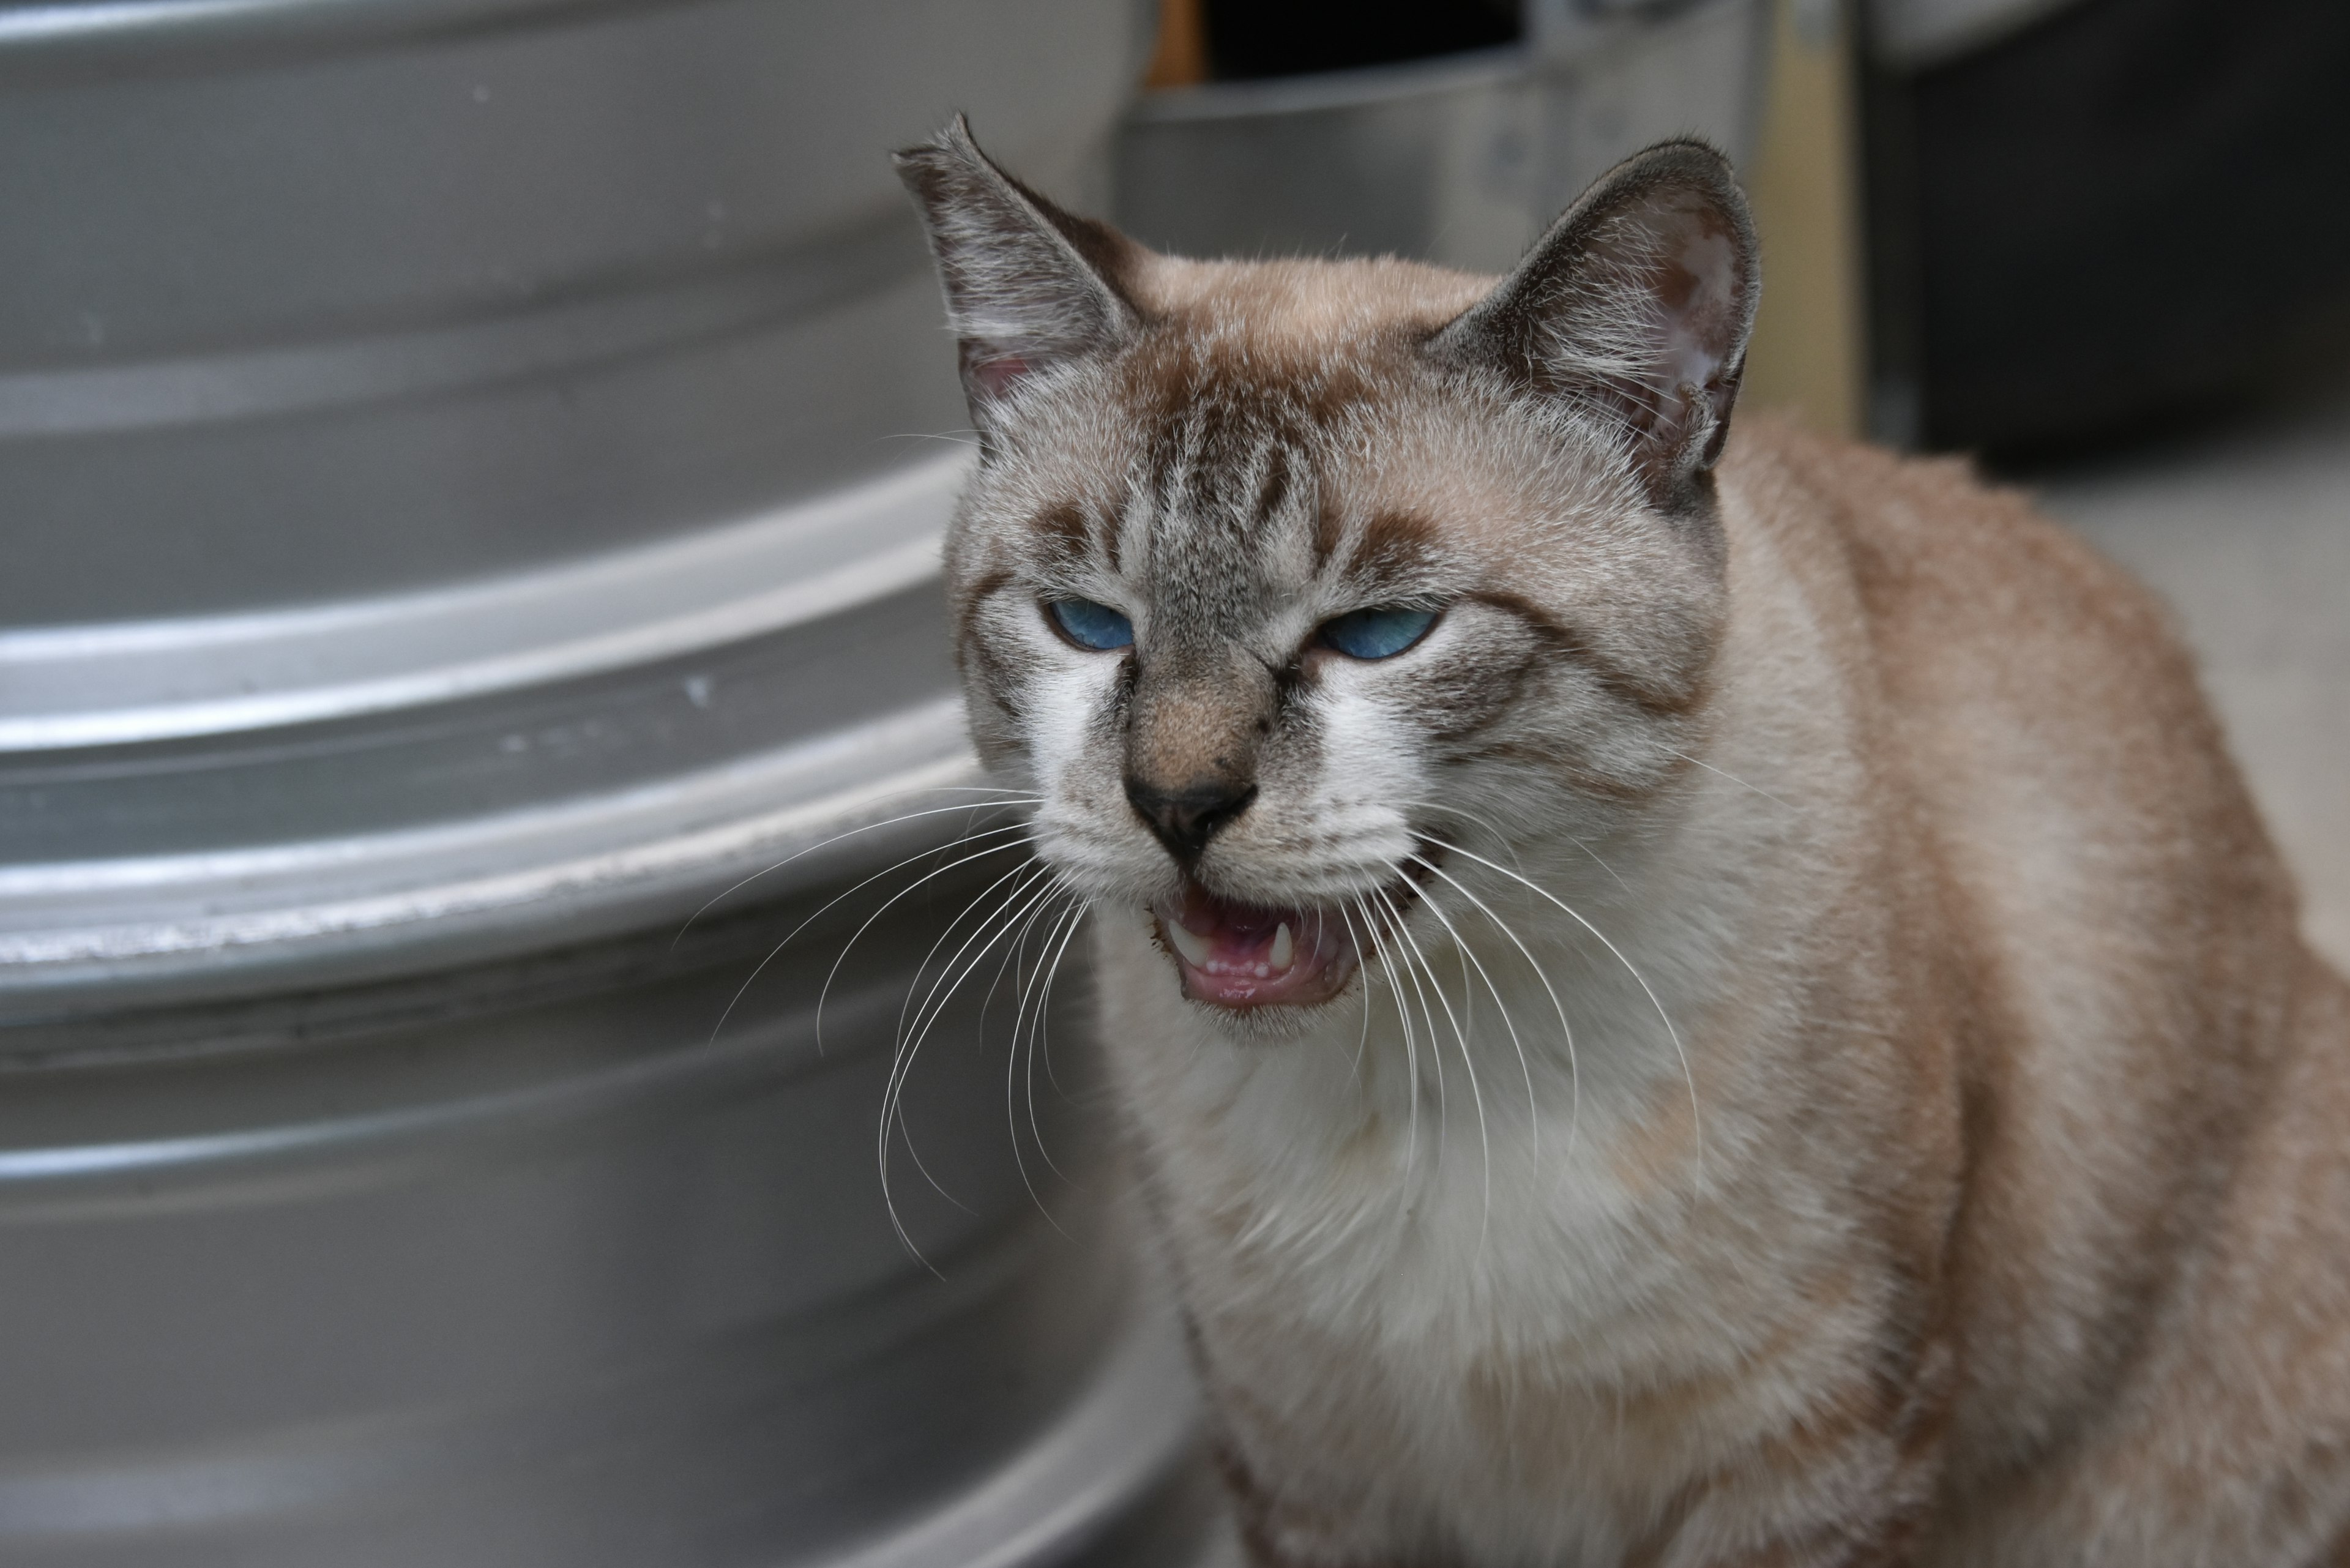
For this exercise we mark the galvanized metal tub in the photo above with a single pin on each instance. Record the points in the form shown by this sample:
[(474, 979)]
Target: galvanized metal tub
[(461, 514), (1460, 159)]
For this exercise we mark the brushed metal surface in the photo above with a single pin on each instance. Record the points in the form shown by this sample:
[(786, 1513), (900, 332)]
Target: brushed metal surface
[(518, 284), (470, 500), (531, 1266), (1460, 161)]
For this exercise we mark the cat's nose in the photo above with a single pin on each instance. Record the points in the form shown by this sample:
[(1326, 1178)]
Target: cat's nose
[(1185, 819)]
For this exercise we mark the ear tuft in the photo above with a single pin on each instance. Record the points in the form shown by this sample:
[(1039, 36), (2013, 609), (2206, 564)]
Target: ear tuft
[(1635, 307), (1029, 287)]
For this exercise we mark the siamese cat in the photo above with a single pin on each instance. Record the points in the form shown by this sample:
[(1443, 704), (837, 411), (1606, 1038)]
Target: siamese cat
[(1680, 999)]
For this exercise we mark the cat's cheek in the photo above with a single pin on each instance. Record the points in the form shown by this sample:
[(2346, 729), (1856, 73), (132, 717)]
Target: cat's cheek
[(1372, 753), (1071, 729), (1486, 671), (1064, 699)]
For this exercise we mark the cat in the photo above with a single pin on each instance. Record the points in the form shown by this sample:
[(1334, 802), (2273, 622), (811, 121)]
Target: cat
[(1677, 1000)]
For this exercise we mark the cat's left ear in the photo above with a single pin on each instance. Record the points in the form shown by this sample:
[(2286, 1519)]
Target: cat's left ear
[(1029, 287), (1635, 305)]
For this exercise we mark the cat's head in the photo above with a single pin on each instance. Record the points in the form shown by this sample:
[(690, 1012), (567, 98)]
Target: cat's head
[(1275, 576)]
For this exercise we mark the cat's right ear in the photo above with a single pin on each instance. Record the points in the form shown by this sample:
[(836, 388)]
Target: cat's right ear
[(1029, 287)]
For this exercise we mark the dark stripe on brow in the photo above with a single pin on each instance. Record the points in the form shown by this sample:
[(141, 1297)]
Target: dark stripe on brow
[(1061, 528), (1393, 548), (975, 656), (1112, 526), (1234, 465), (1394, 540), (1275, 488), (966, 611), (1329, 532), (1660, 702), (1221, 462)]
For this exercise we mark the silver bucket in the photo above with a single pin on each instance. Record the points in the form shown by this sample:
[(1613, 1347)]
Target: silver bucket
[(459, 512), (1460, 159)]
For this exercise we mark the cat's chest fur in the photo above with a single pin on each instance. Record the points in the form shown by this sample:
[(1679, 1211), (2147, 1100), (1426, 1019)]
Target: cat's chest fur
[(1519, 1319)]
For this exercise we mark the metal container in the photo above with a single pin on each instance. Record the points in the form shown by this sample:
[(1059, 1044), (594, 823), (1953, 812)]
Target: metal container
[(1460, 159), (1913, 34), (462, 506)]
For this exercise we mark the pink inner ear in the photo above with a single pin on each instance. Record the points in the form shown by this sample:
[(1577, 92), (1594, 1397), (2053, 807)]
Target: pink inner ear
[(994, 376), (1698, 289)]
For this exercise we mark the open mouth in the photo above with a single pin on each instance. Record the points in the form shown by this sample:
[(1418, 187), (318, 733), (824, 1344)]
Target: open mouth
[(1240, 956), (1246, 955)]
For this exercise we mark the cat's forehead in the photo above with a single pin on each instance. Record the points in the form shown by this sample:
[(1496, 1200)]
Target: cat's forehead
[(1275, 424), (1299, 312), (1259, 385)]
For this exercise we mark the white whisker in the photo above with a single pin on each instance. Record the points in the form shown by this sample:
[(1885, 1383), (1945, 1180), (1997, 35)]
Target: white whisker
[(994, 928), (1533, 1110), (1427, 1014), (1733, 778), (1014, 800), (1067, 916), (1486, 823), (1403, 1018), (1469, 1068), (1696, 1126), (775, 952), (1040, 1032), (1598, 862), (894, 1089), (1027, 870), (1503, 839), (1362, 961), (1574, 1067), (1052, 886)]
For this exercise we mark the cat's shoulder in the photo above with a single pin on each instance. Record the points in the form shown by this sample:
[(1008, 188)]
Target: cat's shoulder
[(1925, 538)]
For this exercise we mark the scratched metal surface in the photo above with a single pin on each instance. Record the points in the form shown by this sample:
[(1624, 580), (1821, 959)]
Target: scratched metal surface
[(462, 511)]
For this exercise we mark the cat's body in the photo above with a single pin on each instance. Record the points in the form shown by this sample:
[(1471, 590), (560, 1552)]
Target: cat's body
[(1950, 1162), (2026, 1183)]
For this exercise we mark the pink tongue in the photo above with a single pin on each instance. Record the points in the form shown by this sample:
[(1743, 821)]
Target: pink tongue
[(1242, 955)]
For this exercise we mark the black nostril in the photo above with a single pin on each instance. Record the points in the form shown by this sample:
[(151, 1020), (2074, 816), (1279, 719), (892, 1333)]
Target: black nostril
[(1185, 819)]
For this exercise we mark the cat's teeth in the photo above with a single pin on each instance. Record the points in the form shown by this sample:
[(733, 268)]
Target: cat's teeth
[(1284, 950), (1194, 946)]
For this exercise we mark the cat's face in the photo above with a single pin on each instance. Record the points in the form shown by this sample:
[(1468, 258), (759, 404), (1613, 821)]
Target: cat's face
[(1277, 578)]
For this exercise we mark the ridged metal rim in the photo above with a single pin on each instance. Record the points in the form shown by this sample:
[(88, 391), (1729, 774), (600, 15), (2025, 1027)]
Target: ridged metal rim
[(121, 684), (199, 923), (605, 863), (1134, 1426), (151, 35)]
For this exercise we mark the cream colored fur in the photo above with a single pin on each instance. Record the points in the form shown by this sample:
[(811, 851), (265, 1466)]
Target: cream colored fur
[(1950, 1159), (2140, 1258)]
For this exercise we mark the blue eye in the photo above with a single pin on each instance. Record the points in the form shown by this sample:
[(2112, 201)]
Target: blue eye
[(1377, 633), (1089, 624)]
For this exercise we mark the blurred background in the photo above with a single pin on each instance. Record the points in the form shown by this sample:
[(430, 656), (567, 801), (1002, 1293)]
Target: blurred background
[(523, 1038)]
